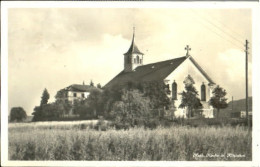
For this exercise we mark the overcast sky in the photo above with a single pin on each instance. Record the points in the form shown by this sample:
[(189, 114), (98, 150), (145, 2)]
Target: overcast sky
[(54, 48)]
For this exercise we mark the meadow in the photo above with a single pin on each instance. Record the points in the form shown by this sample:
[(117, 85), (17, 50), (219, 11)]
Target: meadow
[(81, 141)]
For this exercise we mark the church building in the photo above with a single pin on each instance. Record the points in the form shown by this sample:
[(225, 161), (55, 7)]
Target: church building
[(175, 73)]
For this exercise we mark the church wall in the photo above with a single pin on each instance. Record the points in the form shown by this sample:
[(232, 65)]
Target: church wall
[(179, 75)]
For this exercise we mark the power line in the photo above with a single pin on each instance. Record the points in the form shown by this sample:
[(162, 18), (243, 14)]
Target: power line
[(220, 35), (223, 25), (208, 21)]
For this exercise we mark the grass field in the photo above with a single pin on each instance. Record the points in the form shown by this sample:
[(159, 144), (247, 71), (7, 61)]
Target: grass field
[(77, 142)]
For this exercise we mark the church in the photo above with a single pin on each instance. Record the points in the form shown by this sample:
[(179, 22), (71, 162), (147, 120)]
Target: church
[(174, 73)]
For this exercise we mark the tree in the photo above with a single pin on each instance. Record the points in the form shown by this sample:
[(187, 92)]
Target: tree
[(218, 100), (92, 107), (38, 113), (109, 97), (62, 103), (45, 97), (94, 102), (157, 93), (17, 114), (83, 109), (189, 97), (132, 110), (91, 83), (99, 86), (50, 112), (46, 112), (61, 94)]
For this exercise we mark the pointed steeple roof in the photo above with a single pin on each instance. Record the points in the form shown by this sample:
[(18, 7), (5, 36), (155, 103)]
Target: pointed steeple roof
[(133, 48)]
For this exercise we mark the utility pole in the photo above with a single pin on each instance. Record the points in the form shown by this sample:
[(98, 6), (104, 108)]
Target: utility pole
[(246, 51)]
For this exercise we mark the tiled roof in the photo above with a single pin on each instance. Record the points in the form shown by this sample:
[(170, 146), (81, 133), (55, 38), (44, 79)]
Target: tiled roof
[(80, 88), (150, 72), (153, 72)]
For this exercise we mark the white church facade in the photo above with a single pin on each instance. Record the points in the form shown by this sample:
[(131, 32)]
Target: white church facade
[(172, 72)]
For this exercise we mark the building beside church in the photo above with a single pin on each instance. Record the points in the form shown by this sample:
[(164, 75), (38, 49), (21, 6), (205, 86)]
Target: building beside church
[(174, 73), (76, 92)]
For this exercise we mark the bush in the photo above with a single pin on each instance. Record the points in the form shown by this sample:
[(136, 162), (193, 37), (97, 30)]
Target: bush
[(102, 124), (46, 112), (133, 110), (217, 122), (17, 114)]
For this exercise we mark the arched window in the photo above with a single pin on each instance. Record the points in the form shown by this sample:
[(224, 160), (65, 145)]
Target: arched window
[(203, 92), (174, 90), (137, 59), (134, 60)]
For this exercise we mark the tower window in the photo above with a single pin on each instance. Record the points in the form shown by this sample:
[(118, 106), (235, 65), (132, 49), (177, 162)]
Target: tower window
[(129, 59), (203, 92), (141, 61), (134, 60), (137, 59), (174, 90)]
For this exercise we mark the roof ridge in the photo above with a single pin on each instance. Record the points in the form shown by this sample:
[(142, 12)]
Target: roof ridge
[(80, 85), (156, 69), (162, 61), (121, 72), (201, 70)]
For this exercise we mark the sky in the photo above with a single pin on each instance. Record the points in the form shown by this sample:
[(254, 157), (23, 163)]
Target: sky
[(53, 48)]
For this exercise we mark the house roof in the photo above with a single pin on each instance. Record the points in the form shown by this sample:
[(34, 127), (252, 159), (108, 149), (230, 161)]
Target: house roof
[(153, 72), (80, 88), (133, 48)]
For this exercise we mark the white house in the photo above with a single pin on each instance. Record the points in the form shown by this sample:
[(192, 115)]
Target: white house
[(77, 92), (173, 72)]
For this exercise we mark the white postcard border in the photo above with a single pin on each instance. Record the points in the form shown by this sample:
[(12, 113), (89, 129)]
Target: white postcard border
[(66, 4)]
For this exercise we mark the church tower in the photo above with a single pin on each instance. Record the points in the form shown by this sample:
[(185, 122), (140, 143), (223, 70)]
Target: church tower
[(133, 57)]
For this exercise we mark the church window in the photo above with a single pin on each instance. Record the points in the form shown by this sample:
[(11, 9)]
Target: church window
[(203, 92), (174, 90), (140, 61), (134, 60), (137, 59), (167, 89)]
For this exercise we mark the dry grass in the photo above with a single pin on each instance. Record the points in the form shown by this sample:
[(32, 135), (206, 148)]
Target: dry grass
[(174, 143)]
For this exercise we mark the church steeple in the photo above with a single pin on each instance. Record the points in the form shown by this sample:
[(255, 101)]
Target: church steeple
[(133, 57), (133, 48)]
